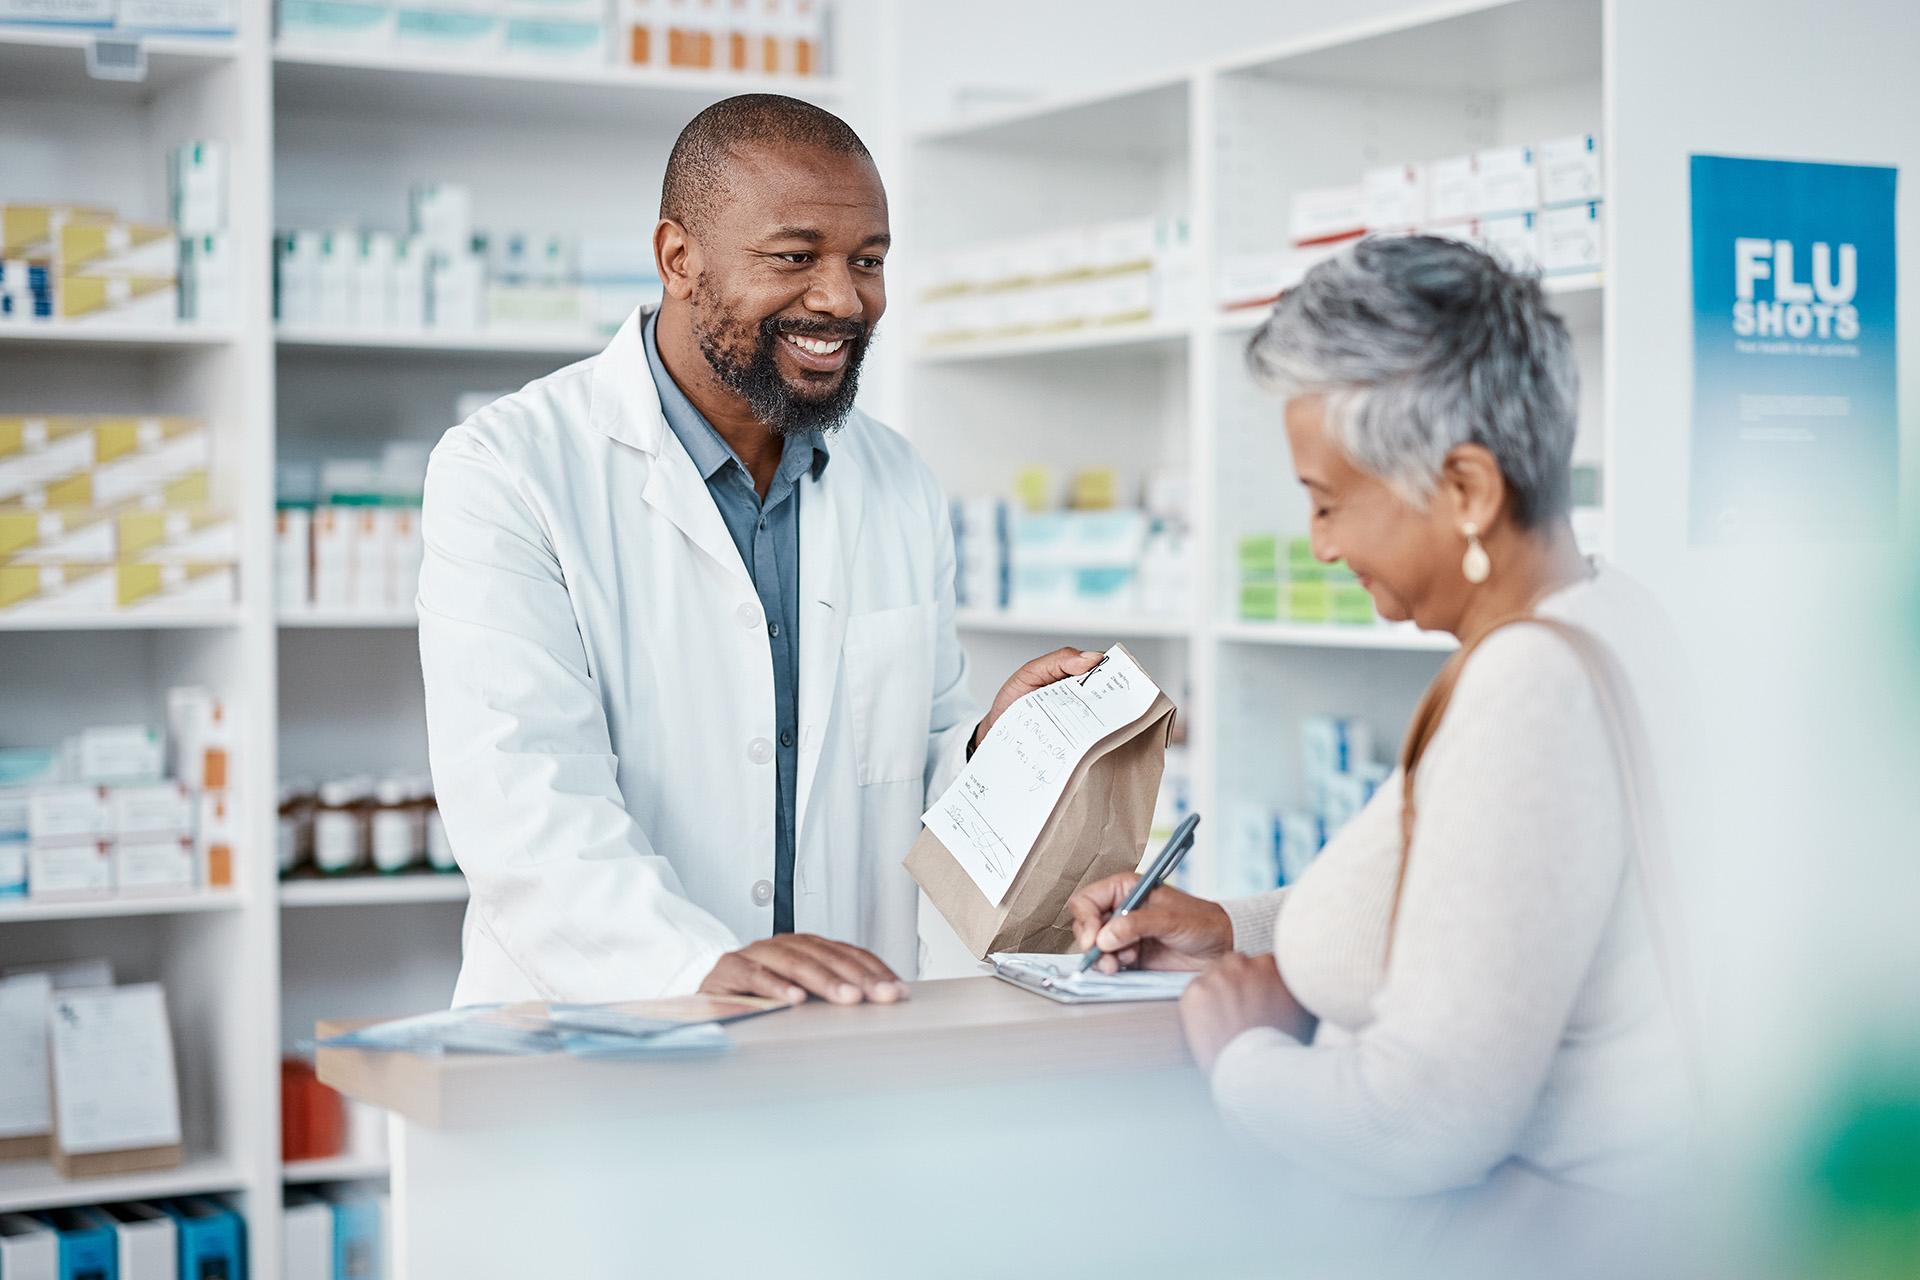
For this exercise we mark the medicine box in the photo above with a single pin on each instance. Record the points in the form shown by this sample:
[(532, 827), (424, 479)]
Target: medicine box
[(197, 188), (1395, 197), (1572, 239), (154, 864), (213, 839), (62, 871), (555, 40), (354, 24), (199, 738), (116, 248), (1570, 170), (1505, 180), (449, 29), (13, 873), (128, 300), (194, 17), (1324, 214), (210, 1238), (66, 813), (151, 809), (64, 13), (1514, 239), (1452, 195), (114, 755), (27, 231), (146, 1241)]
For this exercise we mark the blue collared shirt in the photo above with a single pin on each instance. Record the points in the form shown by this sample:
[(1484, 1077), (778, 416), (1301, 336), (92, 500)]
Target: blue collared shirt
[(767, 535)]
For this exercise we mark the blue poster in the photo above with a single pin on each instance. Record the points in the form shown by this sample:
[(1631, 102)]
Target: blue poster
[(1795, 402)]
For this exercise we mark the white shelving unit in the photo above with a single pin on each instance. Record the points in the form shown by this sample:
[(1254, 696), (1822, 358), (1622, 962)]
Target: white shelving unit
[(1226, 144), (315, 139)]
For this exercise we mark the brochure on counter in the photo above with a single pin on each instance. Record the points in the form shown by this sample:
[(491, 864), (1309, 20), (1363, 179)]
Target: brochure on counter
[(678, 1024)]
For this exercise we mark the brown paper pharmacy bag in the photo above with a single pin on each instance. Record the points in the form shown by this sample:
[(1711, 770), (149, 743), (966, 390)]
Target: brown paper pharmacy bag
[(1098, 829)]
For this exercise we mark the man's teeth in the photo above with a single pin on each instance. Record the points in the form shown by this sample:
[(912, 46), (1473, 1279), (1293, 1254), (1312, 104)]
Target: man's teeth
[(815, 345)]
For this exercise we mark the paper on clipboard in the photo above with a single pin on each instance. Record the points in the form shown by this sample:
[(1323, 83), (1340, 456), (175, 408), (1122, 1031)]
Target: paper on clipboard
[(991, 816)]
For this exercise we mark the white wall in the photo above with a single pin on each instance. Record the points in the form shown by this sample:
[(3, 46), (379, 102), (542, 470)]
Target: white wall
[(1804, 657)]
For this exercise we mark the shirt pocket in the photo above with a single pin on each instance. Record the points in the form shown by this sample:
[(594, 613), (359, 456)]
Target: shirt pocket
[(889, 672)]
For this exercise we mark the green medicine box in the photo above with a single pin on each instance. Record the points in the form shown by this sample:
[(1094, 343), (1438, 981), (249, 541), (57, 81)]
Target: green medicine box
[(1260, 601), (1259, 558), (1352, 604), (1309, 602)]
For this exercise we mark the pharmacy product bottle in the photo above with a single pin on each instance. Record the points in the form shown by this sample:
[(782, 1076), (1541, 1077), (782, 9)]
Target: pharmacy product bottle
[(294, 833), (340, 826), (392, 825)]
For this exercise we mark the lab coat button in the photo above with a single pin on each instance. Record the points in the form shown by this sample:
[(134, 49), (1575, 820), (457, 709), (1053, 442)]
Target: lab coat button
[(749, 615), (759, 751), (762, 892)]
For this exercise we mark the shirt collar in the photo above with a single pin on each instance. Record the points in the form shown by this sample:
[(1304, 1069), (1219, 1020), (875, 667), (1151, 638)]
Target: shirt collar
[(708, 448)]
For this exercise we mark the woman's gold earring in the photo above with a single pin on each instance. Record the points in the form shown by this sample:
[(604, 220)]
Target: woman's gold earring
[(1475, 565)]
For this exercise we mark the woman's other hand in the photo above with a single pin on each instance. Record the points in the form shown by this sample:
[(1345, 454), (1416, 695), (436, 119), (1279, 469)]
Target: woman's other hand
[(1235, 993), (1170, 930)]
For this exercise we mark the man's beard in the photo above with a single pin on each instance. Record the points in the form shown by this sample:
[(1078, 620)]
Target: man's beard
[(753, 374)]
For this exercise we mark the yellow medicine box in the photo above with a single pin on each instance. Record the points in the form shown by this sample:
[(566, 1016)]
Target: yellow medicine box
[(116, 299), (30, 590), (27, 231), (90, 247)]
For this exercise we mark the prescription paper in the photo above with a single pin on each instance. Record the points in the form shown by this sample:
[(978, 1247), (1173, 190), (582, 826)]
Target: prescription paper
[(994, 811)]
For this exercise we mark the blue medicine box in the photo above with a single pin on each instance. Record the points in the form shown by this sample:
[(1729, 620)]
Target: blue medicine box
[(212, 1239)]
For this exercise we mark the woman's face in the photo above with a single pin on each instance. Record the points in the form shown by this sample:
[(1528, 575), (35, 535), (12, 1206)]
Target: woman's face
[(1407, 557)]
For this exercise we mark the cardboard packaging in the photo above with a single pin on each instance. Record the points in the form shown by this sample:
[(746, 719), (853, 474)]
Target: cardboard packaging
[(1098, 829)]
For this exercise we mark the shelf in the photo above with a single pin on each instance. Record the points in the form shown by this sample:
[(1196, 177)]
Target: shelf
[(346, 1168), (1491, 48), (1157, 333), (1578, 298), (373, 890), (36, 59), (132, 620), (106, 334), (350, 620), (1144, 120), (26, 910), (1334, 636), (33, 1184), (1090, 625), (427, 342), (475, 91)]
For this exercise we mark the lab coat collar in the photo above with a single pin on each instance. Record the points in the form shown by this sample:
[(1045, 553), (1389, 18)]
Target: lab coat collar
[(626, 408)]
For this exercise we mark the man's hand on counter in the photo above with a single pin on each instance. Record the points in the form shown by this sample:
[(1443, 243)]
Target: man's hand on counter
[(793, 965)]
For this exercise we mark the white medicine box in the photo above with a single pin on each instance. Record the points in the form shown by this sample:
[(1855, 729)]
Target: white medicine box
[(155, 864), (63, 871), (1451, 195), (1573, 239), (1514, 240), (1322, 214), (1570, 171), (1505, 180), (1396, 197)]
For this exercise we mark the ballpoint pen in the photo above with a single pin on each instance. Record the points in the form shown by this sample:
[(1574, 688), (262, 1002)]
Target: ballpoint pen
[(1177, 845)]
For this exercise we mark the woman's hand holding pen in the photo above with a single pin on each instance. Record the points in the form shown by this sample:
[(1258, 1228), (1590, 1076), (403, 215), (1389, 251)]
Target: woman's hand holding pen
[(1170, 930)]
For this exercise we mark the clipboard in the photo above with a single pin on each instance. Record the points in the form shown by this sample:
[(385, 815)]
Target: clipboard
[(1052, 977)]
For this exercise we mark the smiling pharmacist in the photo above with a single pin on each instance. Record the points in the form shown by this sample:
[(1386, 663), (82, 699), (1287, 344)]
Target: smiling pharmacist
[(686, 615)]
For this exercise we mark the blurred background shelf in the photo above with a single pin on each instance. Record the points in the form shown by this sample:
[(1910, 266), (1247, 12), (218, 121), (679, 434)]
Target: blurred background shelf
[(346, 1168), (373, 890), (108, 334), (348, 619), (33, 1184), (21, 911), (1092, 626), (428, 342), (1331, 636)]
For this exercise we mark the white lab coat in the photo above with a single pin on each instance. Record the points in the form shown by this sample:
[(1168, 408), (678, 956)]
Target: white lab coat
[(599, 692)]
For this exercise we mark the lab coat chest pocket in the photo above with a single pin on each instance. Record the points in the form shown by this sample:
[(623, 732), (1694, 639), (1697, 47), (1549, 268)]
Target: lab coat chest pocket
[(889, 675)]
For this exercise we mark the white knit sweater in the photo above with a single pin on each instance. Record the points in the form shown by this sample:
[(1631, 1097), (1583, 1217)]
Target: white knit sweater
[(1523, 1017)]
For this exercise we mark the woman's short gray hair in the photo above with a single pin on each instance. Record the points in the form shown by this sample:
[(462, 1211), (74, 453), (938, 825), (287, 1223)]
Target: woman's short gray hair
[(1422, 344)]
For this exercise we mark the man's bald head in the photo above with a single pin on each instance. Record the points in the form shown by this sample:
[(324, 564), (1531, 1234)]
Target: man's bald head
[(697, 170)]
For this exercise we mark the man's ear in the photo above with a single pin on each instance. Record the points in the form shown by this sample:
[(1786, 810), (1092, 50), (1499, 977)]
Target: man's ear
[(1472, 488), (676, 255)]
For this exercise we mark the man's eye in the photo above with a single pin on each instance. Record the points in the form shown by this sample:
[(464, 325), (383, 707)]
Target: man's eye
[(870, 264), (797, 259)]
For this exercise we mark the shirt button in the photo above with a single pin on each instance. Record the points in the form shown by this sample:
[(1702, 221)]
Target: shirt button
[(786, 737), (762, 892), (759, 751), (773, 629), (749, 615)]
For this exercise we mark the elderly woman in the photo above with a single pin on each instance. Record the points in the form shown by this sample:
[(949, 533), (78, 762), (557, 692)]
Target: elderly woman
[(1462, 987)]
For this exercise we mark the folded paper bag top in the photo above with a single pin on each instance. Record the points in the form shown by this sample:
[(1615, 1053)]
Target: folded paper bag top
[(1098, 827)]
